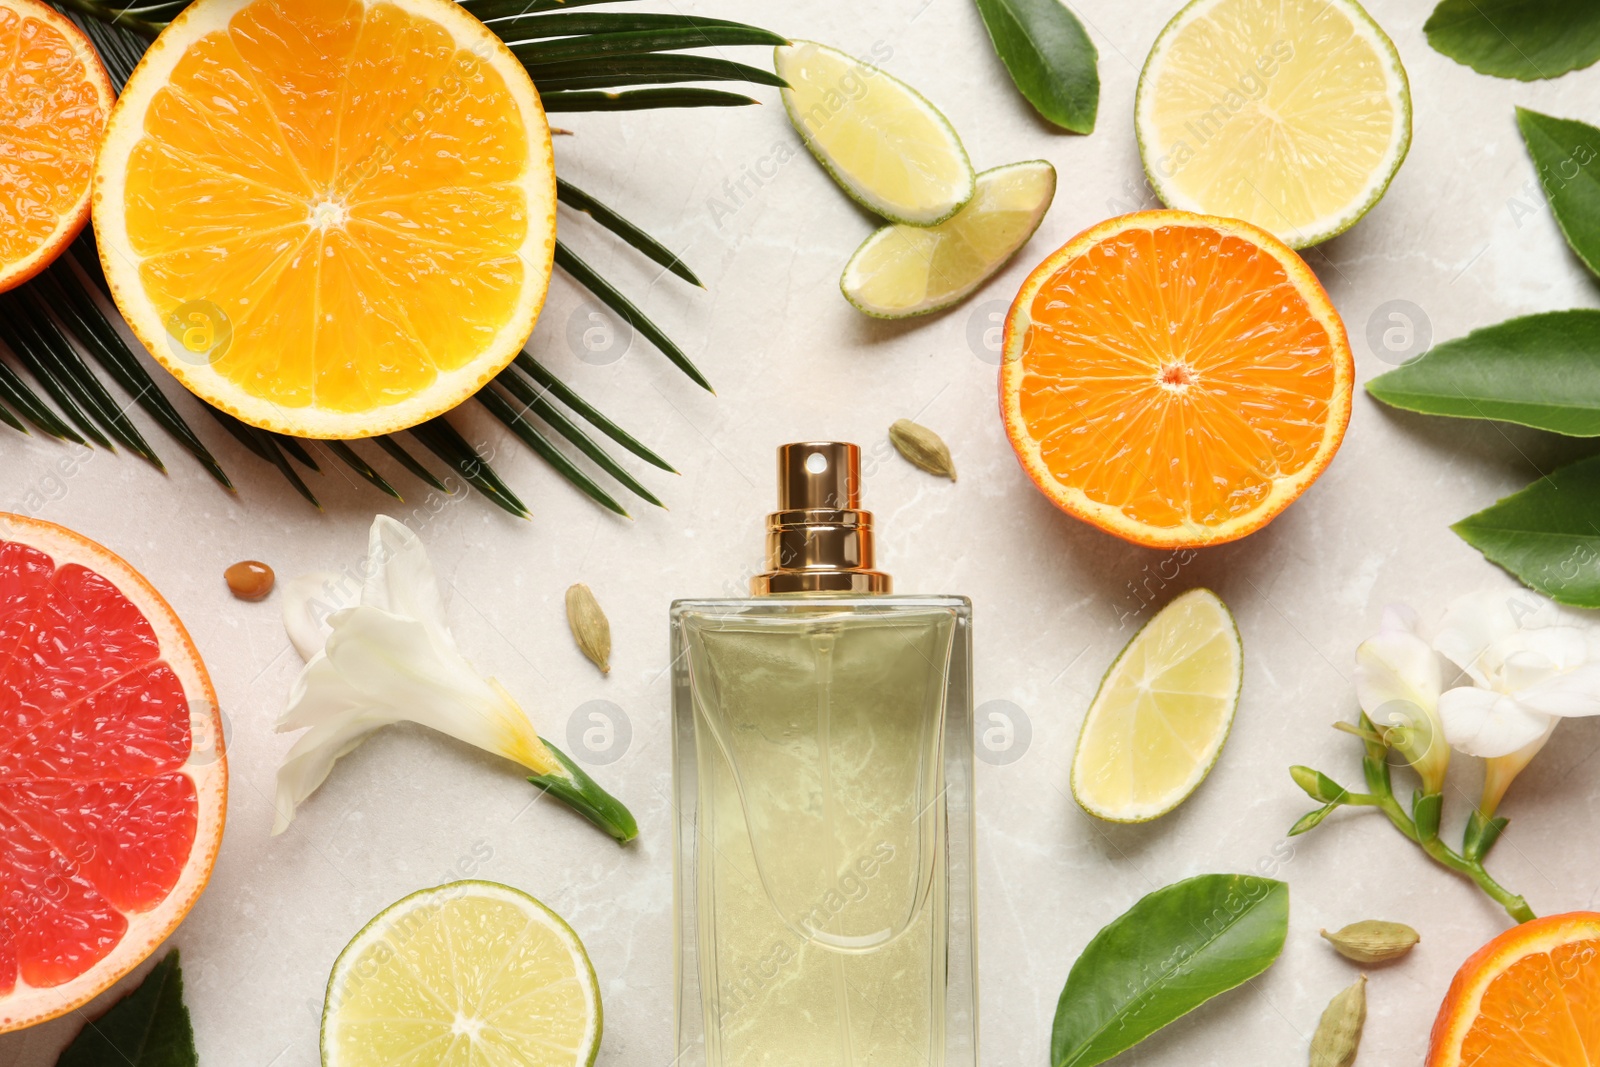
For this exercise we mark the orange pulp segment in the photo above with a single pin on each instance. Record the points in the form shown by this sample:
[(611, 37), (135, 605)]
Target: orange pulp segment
[(1531, 996), (1174, 379), (333, 218), (54, 98)]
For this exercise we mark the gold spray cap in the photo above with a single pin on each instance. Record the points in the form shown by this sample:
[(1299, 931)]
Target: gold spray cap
[(819, 540)]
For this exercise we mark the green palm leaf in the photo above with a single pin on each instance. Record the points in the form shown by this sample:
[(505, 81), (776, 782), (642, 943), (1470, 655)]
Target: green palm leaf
[(353, 460), (406, 460), (642, 99), (654, 68), (606, 45), (56, 325), (87, 323), (578, 200)]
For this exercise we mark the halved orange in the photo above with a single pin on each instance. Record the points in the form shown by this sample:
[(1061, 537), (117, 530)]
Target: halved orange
[(54, 98), (1174, 379), (1529, 997), (331, 218), (113, 773)]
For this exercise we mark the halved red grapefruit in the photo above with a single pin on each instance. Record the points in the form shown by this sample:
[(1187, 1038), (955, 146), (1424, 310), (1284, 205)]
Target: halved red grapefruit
[(113, 776)]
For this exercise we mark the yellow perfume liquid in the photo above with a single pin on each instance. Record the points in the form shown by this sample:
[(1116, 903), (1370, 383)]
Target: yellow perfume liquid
[(824, 839)]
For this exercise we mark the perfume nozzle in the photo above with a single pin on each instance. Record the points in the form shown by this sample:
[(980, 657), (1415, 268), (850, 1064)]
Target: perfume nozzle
[(819, 540), (824, 475)]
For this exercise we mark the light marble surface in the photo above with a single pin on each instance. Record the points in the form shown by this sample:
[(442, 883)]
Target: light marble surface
[(1463, 235)]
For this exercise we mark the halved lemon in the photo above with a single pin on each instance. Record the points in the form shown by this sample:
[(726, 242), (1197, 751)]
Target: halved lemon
[(1291, 114), (331, 218), (882, 141), (1164, 709), (463, 974), (911, 270)]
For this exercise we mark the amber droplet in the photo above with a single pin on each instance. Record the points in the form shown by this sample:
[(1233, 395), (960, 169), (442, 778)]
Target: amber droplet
[(250, 579)]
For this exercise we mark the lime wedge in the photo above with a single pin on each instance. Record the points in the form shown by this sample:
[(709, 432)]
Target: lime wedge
[(1162, 713), (459, 975), (1291, 114), (911, 270), (881, 140)]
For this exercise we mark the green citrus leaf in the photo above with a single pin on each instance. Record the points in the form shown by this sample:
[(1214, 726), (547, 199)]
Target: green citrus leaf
[(1165, 956), (1523, 39), (147, 1028), (1049, 56), (1541, 371), (1548, 535), (1564, 152)]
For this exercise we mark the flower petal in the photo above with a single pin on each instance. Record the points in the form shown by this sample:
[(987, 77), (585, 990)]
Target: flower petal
[(400, 580), (1501, 771), (321, 694), (307, 603), (396, 662), (313, 755), (1563, 647), (1396, 666), (1567, 695), (1483, 723), (1476, 621)]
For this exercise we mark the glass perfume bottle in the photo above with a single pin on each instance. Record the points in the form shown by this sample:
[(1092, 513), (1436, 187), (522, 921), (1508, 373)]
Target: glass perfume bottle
[(822, 746)]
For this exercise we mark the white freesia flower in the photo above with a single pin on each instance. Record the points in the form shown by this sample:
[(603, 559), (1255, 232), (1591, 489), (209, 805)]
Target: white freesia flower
[(389, 658), (1530, 662), (1398, 686)]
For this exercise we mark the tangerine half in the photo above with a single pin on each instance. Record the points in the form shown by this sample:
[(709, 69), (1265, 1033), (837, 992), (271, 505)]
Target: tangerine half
[(1175, 379), (1529, 997)]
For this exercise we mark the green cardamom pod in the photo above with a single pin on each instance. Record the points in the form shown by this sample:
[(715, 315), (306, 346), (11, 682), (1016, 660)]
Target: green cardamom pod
[(589, 626), (922, 448), (1373, 941), (1338, 1035)]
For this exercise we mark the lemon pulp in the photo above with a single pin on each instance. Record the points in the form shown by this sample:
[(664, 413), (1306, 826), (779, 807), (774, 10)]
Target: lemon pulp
[(888, 147), (911, 270), (1162, 713), (1291, 114), (463, 974)]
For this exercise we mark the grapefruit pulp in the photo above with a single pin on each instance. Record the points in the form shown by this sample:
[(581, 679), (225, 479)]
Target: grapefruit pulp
[(113, 778)]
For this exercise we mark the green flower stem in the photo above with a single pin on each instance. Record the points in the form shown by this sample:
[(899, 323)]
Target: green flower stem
[(585, 796), (1420, 826), (1514, 904), (1389, 806)]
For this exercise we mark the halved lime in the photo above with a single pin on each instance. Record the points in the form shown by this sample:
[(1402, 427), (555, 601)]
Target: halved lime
[(1163, 711), (911, 270), (1291, 114), (459, 975), (881, 140)]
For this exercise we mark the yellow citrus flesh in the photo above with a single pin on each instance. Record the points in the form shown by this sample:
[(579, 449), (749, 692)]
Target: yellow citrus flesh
[(333, 218), (1162, 713), (911, 270), (465, 974), (54, 97), (1291, 114), (885, 144)]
